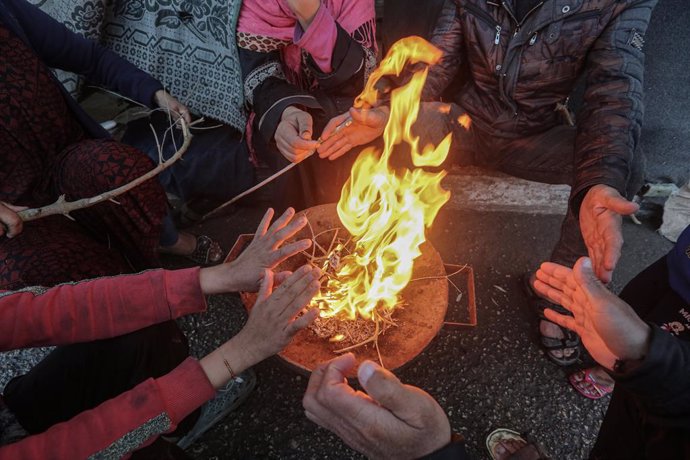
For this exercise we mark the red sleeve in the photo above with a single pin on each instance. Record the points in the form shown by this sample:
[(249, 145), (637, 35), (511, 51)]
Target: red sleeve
[(123, 424), (97, 309)]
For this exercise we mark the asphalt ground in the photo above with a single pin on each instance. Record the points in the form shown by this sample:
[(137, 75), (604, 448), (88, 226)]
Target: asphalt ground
[(492, 375)]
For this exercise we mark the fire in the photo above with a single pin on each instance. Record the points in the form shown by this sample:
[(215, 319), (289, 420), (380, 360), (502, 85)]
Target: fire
[(387, 210)]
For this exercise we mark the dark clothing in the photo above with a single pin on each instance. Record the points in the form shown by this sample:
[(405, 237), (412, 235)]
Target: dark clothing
[(650, 407), (524, 7), (59, 48), (399, 23), (455, 450), (47, 154), (544, 157), (72, 379), (518, 72), (271, 86)]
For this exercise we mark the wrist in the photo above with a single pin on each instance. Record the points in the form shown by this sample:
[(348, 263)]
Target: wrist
[(219, 279), (226, 362), (638, 343)]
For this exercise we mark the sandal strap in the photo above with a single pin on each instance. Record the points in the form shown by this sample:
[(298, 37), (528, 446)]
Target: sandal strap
[(202, 252)]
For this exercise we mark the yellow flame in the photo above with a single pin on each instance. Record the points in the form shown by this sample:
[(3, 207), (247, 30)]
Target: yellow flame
[(387, 210)]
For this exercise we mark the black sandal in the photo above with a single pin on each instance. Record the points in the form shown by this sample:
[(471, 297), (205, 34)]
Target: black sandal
[(570, 339), (203, 253), (205, 248)]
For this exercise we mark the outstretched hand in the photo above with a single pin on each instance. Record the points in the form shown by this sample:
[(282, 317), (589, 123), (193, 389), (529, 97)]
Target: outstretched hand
[(390, 420), (274, 320), (601, 226), (609, 328), (11, 224), (367, 125), (265, 251)]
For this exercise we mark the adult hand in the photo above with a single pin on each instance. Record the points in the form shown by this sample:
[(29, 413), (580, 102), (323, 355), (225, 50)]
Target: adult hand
[(271, 325), (304, 10), (11, 224), (273, 320), (293, 135), (600, 223), (171, 105), (265, 251), (390, 420), (367, 125), (609, 328)]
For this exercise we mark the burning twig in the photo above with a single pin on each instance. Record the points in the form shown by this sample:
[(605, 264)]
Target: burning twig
[(64, 207)]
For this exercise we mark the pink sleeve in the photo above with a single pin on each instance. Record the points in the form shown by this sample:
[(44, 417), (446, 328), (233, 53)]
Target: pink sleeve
[(319, 38), (97, 309), (123, 424)]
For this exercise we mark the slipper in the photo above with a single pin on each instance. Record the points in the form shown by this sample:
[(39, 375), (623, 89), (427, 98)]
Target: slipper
[(498, 439), (570, 339), (585, 384)]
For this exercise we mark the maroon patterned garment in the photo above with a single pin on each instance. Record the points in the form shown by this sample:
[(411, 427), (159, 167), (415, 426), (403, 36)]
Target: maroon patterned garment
[(44, 153)]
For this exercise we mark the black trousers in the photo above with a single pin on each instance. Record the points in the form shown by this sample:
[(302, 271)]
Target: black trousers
[(79, 377)]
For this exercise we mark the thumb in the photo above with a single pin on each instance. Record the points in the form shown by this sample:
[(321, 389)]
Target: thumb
[(383, 386), (620, 205), (584, 275), (304, 125), (266, 287)]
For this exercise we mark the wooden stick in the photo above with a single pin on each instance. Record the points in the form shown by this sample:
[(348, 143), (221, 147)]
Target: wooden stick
[(64, 207), (341, 126)]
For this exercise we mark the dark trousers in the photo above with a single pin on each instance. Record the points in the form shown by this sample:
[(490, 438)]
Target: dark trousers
[(215, 168), (546, 157), (79, 377)]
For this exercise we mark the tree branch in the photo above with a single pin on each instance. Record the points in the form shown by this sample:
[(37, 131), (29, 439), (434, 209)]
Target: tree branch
[(62, 206)]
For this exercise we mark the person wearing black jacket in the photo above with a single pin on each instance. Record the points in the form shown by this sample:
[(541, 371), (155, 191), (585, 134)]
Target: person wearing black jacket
[(511, 67)]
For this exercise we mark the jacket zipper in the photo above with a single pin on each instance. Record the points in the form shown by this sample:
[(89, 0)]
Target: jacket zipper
[(501, 80), (585, 15), (481, 14), (497, 38)]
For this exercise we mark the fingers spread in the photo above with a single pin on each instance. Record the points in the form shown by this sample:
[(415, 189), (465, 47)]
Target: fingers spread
[(303, 321), (266, 287), (567, 322), (265, 221), (290, 250), (282, 220)]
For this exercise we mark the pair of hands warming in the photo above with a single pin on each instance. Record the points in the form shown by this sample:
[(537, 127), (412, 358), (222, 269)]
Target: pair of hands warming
[(390, 419), (609, 328), (294, 133), (280, 310)]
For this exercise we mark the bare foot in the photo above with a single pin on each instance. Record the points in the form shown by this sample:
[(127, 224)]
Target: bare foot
[(508, 447)]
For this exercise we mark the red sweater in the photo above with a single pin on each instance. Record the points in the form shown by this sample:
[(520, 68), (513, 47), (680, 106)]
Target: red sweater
[(98, 309)]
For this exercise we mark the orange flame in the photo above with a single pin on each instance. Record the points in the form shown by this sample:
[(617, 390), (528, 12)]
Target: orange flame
[(387, 211)]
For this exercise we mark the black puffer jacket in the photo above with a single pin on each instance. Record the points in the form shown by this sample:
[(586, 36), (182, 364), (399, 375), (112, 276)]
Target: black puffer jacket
[(517, 72)]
